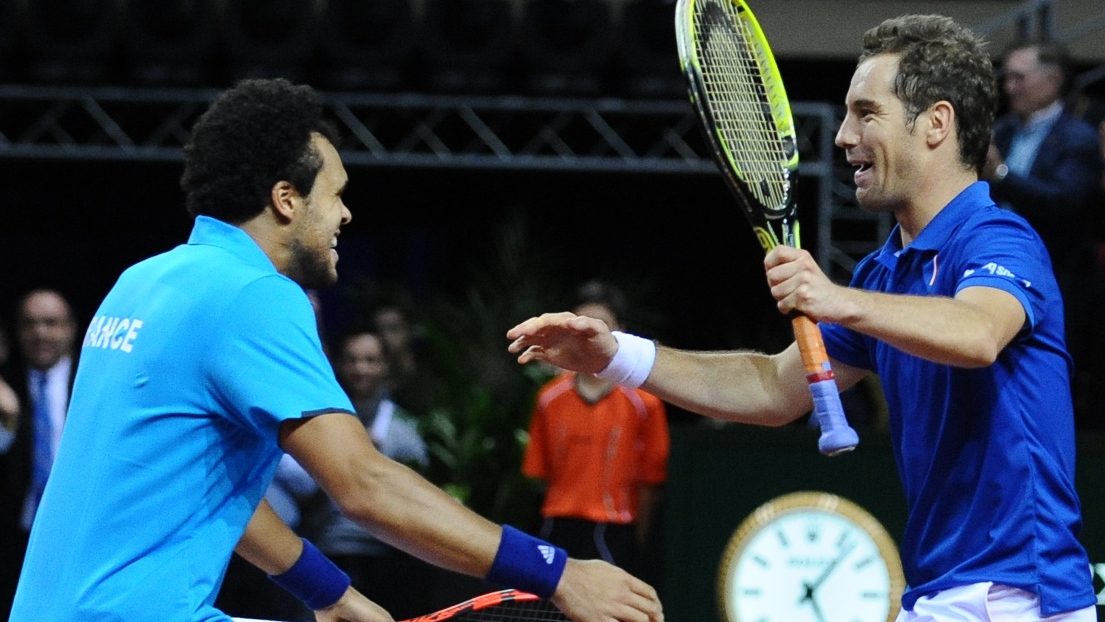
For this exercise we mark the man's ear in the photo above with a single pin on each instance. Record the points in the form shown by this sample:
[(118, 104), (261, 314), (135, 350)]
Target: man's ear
[(941, 118), (286, 200)]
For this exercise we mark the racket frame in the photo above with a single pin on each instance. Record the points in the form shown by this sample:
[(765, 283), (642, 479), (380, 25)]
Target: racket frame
[(773, 225)]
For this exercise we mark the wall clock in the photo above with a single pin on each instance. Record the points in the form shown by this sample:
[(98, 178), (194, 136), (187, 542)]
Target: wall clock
[(810, 556)]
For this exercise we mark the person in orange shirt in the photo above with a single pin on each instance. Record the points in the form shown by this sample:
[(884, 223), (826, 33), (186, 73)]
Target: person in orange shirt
[(602, 450)]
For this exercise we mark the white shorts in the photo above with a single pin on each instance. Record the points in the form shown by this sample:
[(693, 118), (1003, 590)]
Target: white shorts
[(987, 602)]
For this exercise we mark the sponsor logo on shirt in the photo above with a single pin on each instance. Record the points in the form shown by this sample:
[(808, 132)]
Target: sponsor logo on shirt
[(112, 333), (997, 270)]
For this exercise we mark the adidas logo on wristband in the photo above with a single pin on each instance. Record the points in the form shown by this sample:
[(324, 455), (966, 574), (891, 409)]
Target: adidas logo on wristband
[(548, 552), (515, 564)]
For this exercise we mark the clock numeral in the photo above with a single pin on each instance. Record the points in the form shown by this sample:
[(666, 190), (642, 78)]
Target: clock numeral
[(761, 561), (843, 539), (783, 539), (751, 591), (813, 530), (863, 563), (873, 595)]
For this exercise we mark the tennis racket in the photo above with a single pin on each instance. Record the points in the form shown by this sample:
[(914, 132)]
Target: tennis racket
[(738, 92), (501, 606)]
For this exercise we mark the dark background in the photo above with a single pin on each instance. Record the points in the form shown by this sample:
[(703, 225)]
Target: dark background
[(677, 241)]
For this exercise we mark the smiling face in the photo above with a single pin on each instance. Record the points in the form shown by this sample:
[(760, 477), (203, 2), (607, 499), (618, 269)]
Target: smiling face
[(314, 257), (878, 139)]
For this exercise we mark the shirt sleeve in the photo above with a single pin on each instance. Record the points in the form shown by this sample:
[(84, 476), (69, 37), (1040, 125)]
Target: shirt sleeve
[(266, 364), (1008, 255), (847, 346)]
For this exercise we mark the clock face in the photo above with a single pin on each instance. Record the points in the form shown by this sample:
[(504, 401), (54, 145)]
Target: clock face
[(810, 557)]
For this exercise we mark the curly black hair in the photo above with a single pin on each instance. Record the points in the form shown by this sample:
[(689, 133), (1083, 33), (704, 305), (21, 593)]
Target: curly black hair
[(941, 61), (254, 135)]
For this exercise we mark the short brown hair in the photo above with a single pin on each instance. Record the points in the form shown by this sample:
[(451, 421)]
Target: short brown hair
[(941, 60)]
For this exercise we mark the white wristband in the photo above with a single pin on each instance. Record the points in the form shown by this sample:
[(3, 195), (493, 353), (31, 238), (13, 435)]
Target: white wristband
[(632, 362)]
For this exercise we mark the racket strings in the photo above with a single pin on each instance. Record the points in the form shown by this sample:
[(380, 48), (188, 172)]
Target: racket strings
[(514, 611), (739, 102)]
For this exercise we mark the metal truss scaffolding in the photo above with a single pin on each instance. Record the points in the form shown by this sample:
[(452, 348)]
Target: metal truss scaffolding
[(509, 133)]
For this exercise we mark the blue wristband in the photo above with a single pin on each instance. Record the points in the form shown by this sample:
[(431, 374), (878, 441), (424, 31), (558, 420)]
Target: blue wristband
[(526, 563), (313, 579)]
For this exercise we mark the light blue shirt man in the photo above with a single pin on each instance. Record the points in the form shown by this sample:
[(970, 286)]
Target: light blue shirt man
[(186, 371)]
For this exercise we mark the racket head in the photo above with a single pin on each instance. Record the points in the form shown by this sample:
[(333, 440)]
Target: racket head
[(736, 87), (501, 606)]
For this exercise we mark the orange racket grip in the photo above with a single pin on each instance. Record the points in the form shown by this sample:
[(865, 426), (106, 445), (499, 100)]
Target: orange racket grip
[(837, 436)]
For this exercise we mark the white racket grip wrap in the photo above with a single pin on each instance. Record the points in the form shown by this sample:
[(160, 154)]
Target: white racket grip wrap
[(633, 361)]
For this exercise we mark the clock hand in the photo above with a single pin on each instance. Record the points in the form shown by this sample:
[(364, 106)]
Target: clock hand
[(810, 588), (816, 607), (813, 602), (829, 569)]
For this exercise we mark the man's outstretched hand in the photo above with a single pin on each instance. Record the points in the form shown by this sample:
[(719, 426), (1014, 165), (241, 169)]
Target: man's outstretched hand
[(566, 340)]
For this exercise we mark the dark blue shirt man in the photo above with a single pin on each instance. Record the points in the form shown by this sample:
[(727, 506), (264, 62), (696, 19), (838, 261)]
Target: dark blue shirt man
[(958, 315)]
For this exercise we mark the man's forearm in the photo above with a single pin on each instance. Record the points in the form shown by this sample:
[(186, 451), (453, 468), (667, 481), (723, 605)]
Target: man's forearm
[(268, 542)]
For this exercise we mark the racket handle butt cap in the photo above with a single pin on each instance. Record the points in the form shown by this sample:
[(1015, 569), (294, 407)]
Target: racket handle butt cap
[(838, 441)]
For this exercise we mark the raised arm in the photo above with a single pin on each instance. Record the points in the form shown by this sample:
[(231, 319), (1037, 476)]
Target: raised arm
[(749, 387), (403, 509)]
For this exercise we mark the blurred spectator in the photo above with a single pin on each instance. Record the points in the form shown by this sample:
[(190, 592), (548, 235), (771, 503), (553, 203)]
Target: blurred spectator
[(602, 450), (410, 383), (1081, 105), (1045, 164), (394, 328), (396, 581), (42, 382), (9, 400)]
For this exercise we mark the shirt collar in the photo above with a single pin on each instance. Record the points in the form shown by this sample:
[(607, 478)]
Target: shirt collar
[(942, 226), (209, 231), (58, 372), (1044, 116)]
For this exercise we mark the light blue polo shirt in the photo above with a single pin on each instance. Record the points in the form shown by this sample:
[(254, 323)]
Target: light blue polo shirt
[(986, 456), (187, 370)]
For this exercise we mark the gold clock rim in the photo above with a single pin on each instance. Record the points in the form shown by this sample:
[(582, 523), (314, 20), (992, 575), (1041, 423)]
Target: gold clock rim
[(763, 515)]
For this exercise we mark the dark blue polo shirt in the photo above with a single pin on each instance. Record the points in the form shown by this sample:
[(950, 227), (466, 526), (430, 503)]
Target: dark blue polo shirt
[(986, 456)]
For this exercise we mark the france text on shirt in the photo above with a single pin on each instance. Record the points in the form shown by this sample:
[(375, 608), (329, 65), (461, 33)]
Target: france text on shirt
[(115, 333)]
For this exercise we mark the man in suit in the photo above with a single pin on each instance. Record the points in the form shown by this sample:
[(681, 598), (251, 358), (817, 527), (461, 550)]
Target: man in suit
[(46, 331), (1045, 165)]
